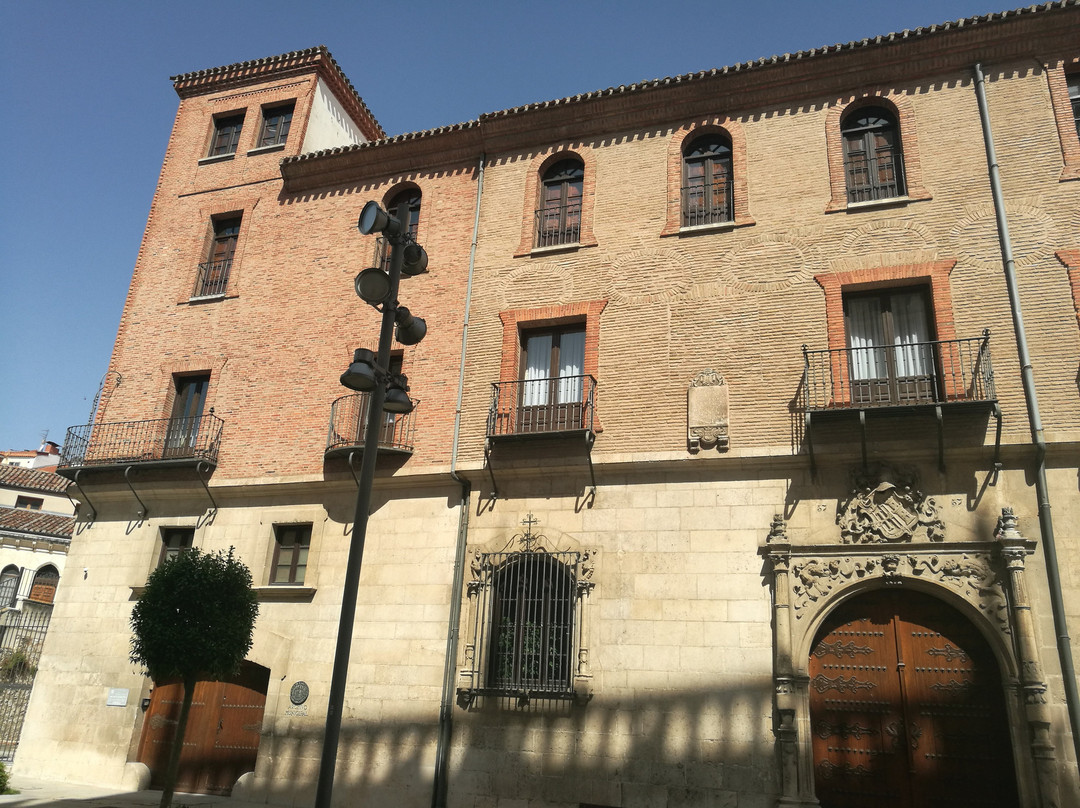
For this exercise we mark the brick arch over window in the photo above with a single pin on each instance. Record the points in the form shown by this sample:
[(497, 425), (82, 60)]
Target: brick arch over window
[(517, 320), (898, 105), (932, 274), (1057, 79), (680, 138), (1071, 260), (539, 165)]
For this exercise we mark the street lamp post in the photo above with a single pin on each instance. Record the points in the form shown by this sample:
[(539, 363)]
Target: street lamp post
[(372, 376)]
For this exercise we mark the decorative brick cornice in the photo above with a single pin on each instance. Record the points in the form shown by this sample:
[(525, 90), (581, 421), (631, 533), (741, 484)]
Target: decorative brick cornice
[(827, 72), (311, 60)]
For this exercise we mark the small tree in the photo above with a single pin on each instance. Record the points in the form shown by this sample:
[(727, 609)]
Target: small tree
[(193, 621)]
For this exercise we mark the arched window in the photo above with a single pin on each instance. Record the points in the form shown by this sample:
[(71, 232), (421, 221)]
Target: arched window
[(532, 624), (558, 217), (873, 159), (410, 216), (405, 207), (9, 585), (707, 193), (45, 581)]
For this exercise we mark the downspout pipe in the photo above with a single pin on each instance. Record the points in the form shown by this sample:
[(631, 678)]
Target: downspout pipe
[(1046, 524), (440, 786)]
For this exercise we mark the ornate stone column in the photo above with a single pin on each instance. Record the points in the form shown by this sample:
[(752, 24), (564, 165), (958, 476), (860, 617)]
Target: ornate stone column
[(585, 586), (1014, 551), (789, 691), (473, 586)]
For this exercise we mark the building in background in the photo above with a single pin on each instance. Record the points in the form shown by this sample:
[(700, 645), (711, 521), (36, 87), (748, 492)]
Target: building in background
[(718, 489), (36, 522), (46, 456)]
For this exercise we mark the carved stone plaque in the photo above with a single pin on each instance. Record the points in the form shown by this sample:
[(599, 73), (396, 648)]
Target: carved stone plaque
[(707, 411), (885, 506)]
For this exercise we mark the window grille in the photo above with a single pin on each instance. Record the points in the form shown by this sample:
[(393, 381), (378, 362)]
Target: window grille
[(526, 627), (873, 162)]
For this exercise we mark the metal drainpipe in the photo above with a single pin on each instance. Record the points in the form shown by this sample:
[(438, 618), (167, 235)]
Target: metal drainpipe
[(1046, 524), (440, 786)]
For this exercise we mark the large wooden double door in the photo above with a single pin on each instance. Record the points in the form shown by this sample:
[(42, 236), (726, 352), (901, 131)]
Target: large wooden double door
[(223, 731), (907, 708)]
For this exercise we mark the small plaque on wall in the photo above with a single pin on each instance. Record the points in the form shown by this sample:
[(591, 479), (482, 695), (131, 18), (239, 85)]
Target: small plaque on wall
[(118, 697), (707, 411), (299, 693)]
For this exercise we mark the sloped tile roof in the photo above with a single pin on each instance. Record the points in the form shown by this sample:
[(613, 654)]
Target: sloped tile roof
[(741, 67), (23, 520), (32, 479)]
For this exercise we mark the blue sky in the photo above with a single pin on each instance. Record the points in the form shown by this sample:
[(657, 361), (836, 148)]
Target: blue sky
[(90, 107)]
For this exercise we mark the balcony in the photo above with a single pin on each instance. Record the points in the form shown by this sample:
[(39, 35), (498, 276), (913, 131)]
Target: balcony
[(542, 407), (896, 379), (162, 441), (213, 279), (932, 373), (348, 425), (558, 225)]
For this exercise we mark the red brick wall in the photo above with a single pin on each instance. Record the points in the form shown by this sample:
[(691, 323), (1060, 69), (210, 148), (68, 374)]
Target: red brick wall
[(287, 326)]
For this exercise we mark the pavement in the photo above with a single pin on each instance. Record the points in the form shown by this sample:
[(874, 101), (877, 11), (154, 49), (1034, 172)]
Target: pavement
[(40, 793)]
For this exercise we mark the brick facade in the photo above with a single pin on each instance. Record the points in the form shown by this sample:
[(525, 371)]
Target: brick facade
[(702, 576)]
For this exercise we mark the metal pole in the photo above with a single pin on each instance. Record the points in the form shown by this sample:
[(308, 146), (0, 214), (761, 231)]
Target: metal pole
[(1042, 492), (324, 790)]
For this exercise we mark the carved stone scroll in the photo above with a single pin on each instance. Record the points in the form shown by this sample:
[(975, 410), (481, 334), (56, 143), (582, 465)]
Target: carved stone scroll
[(707, 411)]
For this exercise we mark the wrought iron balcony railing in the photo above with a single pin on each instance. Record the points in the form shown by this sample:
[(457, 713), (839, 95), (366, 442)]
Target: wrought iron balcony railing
[(213, 278), (873, 177), (707, 204), (128, 442), (540, 406), (558, 225), (348, 426), (921, 373)]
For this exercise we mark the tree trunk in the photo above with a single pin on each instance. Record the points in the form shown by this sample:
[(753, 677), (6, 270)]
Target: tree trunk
[(178, 744)]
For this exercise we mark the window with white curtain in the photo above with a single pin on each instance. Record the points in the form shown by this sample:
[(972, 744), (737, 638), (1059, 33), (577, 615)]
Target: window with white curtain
[(890, 346), (552, 373)]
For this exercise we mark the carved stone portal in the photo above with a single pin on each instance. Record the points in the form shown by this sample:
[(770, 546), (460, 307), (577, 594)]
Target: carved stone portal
[(809, 580), (707, 411), (886, 506)]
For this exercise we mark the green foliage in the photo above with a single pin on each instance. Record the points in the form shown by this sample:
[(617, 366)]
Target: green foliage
[(16, 665), (195, 618), (3, 778)]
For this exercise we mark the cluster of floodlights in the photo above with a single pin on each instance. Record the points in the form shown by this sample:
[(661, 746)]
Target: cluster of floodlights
[(378, 288)]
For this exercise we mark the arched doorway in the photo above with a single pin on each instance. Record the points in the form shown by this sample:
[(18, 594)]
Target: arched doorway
[(223, 731), (906, 707)]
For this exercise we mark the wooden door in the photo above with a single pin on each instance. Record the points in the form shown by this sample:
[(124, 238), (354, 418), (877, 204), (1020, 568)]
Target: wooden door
[(222, 738), (907, 708)]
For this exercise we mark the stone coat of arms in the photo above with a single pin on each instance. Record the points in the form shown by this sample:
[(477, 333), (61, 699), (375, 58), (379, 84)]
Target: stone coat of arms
[(886, 506)]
